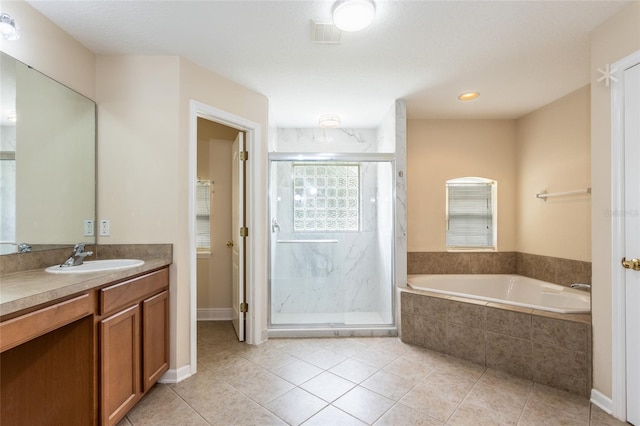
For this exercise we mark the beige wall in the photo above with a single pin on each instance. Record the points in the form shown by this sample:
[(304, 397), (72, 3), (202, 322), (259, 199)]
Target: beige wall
[(143, 175), (612, 41), (48, 49), (438, 150), (214, 163), (553, 154)]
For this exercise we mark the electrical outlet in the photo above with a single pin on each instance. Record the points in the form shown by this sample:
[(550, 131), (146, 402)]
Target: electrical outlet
[(89, 230), (105, 228)]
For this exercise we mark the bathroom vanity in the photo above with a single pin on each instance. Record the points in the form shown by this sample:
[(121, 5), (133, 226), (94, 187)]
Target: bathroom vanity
[(81, 349)]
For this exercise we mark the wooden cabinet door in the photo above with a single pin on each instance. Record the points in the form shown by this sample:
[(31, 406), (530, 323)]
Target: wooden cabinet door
[(155, 338), (120, 369)]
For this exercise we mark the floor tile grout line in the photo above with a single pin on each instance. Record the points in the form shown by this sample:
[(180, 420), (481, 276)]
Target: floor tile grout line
[(188, 405)]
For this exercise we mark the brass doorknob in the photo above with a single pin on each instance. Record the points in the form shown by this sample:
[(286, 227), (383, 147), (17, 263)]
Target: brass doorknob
[(631, 264), (229, 243)]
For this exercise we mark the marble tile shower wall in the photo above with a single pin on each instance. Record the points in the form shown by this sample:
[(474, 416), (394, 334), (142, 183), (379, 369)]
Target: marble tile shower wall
[(551, 269), (327, 278), (552, 349)]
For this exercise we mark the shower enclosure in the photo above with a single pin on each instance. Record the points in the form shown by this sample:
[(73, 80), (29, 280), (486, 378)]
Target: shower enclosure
[(331, 247)]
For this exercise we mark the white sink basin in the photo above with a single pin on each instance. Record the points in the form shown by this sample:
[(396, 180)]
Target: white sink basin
[(96, 266)]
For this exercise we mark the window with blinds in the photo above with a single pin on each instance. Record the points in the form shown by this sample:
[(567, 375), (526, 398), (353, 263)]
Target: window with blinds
[(203, 215), (471, 217)]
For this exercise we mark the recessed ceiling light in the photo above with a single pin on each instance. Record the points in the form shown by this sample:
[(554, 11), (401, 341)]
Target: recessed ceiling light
[(353, 15), (468, 96), (8, 27), (329, 120)]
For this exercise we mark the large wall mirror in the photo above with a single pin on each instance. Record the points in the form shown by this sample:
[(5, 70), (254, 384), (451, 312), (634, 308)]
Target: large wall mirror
[(47, 161)]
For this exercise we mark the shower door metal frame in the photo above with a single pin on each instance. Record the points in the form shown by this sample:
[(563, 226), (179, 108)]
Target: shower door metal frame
[(334, 157)]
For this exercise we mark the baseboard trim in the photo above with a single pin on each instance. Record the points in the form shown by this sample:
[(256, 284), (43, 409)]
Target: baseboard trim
[(602, 401), (215, 314), (176, 376)]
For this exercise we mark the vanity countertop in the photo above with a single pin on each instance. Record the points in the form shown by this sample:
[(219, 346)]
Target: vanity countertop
[(27, 289)]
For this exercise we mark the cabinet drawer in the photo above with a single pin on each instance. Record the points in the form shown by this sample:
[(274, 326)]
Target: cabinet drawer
[(26, 327), (132, 291)]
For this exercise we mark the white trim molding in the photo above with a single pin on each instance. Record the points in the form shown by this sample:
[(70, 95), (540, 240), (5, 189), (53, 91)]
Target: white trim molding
[(602, 401), (255, 207), (176, 375), (215, 314), (618, 407)]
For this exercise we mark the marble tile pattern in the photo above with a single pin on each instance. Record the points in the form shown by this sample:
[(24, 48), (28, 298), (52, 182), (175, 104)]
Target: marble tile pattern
[(409, 385), (551, 269), (551, 349)]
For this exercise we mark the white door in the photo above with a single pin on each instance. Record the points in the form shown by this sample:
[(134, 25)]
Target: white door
[(237, 222), (632, 237)]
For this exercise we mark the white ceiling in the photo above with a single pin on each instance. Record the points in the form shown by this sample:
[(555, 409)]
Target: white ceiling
[(519, 55)]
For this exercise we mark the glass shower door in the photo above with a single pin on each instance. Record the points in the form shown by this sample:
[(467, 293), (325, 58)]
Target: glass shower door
[(331, 243)]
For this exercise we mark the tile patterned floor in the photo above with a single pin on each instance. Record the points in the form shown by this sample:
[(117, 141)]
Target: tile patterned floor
[(349, 381)]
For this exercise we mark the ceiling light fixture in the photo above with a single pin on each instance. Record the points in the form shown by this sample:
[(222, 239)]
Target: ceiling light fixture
[(8, 27), (12, 116), (353, 15), (329, 120), (468, 96)]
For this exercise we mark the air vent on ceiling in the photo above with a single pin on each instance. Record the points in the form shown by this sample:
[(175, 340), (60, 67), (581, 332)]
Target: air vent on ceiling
[(324, 32)]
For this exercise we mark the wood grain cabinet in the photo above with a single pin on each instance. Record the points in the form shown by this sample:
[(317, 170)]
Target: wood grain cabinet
[(134, 341)]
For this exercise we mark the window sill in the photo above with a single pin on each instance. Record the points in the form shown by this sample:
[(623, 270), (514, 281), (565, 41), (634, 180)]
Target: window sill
[(472, 250), (203, 254)]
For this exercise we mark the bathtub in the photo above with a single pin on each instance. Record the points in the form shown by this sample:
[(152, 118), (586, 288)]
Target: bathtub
[(514, 290)]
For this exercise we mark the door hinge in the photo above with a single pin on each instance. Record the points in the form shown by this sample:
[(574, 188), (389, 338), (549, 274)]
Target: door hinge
[(244, 155), (244, 231), (244, 307)]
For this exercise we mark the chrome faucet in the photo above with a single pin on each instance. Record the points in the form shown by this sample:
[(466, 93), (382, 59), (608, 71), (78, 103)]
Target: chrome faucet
[(24, 248), (77, 257), (581, 285)]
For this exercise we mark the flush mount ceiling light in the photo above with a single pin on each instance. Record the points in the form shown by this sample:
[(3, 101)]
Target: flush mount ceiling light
[(353, 15), (8, 27), (468, 96), (329, 120)]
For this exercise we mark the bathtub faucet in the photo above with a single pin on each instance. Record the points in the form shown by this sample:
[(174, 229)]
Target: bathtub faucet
[(581, 285)]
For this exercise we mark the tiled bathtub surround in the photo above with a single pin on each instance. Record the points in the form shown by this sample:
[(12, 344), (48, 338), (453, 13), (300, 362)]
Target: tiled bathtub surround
[(551, 269), (551, 349)]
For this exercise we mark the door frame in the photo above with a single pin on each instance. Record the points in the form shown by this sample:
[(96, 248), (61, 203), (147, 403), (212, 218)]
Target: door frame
[(254, 207), (618, 282)]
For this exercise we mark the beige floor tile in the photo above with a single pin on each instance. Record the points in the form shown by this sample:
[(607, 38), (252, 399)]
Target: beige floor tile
[(346, 347), (296, 406), (375, 357), (389, 385), (355, 371), (124, 422), (538, 416), (220, 360), (600, 418), (261, 386), (544, 398), (471, 414), (438, 397), (297, 372), (409, 369), (331, 416), (400, 414), (270, 358), (500, 392), (160, 407), (362, 403), (323, 358), (299, 347), (328, 386)]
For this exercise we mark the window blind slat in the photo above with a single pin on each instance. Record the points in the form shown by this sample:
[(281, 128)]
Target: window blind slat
[(470, 215)]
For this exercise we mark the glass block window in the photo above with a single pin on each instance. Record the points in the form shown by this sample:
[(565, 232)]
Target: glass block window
[(326, 197)]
